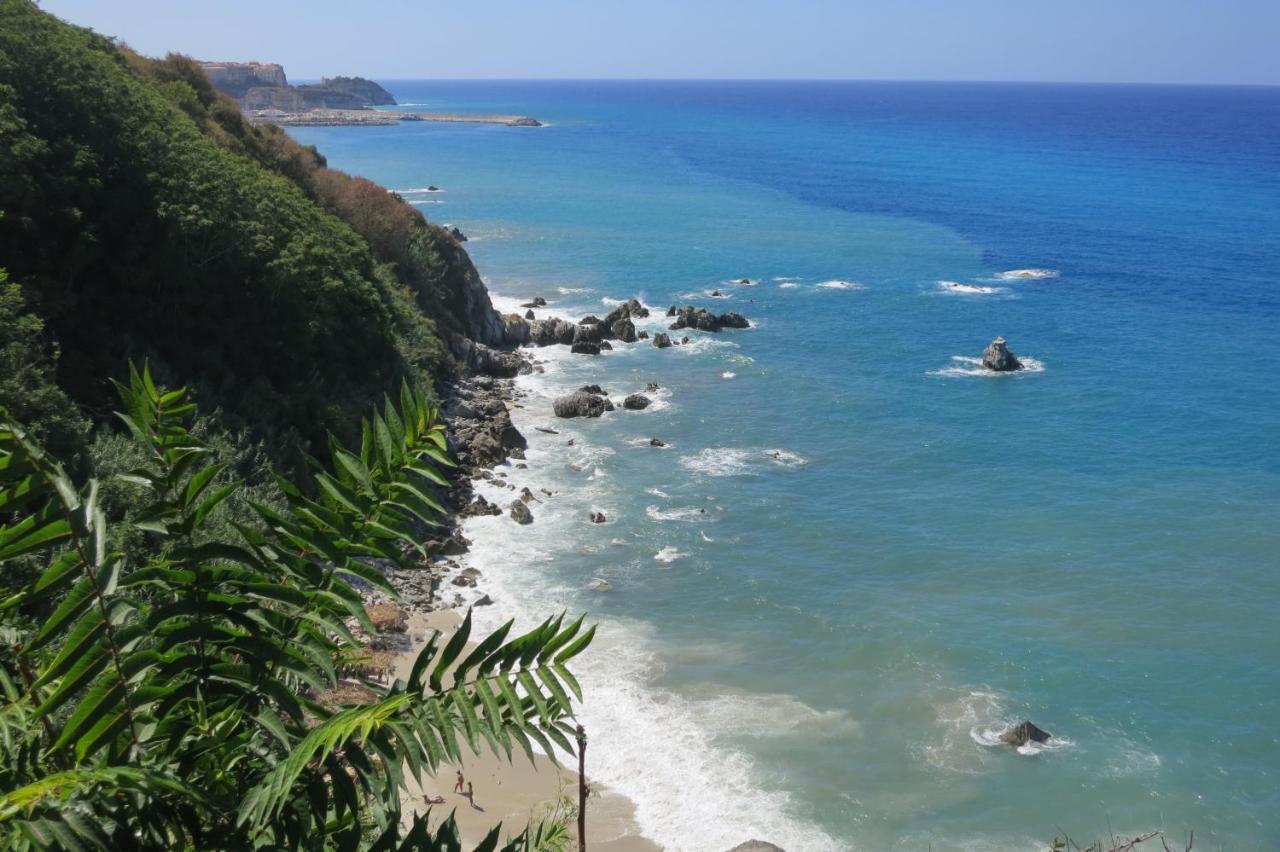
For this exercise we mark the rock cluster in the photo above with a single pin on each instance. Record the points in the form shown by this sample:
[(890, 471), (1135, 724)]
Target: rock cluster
[(704, 320), (480, 431), (999, 357)]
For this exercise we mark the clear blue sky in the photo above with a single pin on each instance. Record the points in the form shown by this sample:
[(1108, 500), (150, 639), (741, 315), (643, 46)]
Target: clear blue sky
[(1206, 41)]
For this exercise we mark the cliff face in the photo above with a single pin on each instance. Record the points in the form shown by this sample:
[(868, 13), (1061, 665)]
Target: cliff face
[(236, 78), (258, 85)]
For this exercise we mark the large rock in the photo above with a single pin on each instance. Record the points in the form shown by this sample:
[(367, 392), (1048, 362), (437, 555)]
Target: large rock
[(520, 512), (662, 340), (636, 402), (582, 347), (999, 357), (485, 361), (587, 332), (624, 329), (582, 404), (1026, 732), (734, 320), (550, 332), (628, 309)]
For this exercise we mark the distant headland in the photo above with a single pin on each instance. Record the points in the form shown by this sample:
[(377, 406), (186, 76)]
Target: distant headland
[(265, 95)]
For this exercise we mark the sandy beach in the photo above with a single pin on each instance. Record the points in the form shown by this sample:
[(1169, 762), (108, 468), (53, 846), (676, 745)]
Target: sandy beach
[(515, 792)]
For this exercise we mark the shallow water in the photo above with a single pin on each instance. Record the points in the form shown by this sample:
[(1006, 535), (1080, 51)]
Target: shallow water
[(860, 555)]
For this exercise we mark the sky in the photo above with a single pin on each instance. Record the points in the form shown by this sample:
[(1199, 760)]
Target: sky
[(1140, 41)]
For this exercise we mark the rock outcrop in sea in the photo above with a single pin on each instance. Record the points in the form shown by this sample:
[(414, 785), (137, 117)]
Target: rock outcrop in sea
[(586, 402), (1026, 732), (704, 320), (999, 357)]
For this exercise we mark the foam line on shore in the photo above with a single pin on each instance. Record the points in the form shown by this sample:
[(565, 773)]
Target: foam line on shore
[(659, 747)]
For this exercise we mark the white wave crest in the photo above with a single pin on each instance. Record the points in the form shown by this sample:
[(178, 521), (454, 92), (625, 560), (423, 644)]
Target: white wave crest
[(728, 374), (955, 288), (1027, 274), (569, 291), (837, 284), (786, 458), (788, 285), (418, 190), (667, 555), (719, 461), (966, 366), (689, 513)]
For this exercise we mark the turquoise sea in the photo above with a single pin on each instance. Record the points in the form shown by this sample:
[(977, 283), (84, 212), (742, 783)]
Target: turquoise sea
[(859, 556)]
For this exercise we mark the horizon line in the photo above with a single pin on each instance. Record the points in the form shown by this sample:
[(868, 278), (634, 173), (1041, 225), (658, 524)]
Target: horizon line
[(503, 79)]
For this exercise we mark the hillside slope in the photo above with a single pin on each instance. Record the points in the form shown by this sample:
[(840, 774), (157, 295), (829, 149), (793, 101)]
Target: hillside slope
[(143, 218)]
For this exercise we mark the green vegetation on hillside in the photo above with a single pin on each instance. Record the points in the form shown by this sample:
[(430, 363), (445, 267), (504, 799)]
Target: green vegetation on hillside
[(199, 698), (142, 217)]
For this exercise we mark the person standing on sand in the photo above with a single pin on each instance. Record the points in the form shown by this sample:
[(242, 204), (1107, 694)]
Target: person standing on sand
[(471, 794), (457, 785)]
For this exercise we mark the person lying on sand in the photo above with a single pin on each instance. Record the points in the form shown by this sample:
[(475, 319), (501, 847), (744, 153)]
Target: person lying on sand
[(428, 799)]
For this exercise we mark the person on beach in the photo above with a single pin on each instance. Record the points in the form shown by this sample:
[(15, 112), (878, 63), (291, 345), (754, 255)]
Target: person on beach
[(428, 799), (457, 785), (471, 794)]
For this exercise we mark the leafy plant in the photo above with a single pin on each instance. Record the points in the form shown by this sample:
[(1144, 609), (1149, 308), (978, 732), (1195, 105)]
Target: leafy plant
[(173, 702)]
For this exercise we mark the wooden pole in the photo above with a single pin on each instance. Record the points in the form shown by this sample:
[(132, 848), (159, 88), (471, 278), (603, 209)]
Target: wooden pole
[(582, 789)]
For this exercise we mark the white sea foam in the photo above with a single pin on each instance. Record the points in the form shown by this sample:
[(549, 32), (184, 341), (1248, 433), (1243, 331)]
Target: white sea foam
[(570, 291), (966, 366), (661, 748), (728, 374), (1027, 274), (955, 288), (836, 284), (742, 282), (719, 461), (788, 285), (418, 190), (656, 492), (421, 201), (706, 537), (667, 555), (786, 458), (787, 278), (688, 513)]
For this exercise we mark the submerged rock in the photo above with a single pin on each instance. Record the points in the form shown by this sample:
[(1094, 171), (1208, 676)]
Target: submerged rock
[(599, 585), (520, 512), (1026, 732), (999, 357), (598, 518), (657, 442)]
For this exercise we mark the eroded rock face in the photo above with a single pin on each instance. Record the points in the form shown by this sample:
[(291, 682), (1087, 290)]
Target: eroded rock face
[(587, 332), (582, 404), (999, 357), (1023, 733), (549, 332)]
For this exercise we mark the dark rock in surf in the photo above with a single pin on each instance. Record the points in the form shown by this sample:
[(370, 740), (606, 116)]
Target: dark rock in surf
[(520, 512), (661, 340), (657, 442), (528, 314), (582, 403), (624, 330), (636, 402), (1026, 732), (999, 357), (584, 348)]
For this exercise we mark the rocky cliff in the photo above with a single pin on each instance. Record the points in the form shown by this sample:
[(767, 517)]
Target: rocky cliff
[(258, 85), (237, 78)]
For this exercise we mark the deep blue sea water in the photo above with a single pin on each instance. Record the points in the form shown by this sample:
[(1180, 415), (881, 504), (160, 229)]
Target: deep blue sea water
[(870, 556)]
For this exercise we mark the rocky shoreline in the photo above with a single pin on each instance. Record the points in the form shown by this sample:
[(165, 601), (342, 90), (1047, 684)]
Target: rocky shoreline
[(481, 436)]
